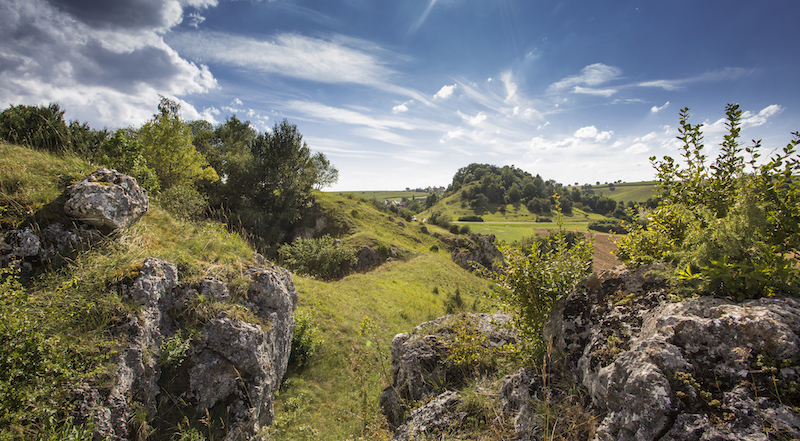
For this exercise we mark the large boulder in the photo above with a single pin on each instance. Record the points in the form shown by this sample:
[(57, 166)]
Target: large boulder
[(705, 368), (106, 199), (233, 367)]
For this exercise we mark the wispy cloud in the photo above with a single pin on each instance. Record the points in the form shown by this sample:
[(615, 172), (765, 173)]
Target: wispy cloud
[(656, 109), (336, 60), (419, 21), (729, 73), (591, 75)]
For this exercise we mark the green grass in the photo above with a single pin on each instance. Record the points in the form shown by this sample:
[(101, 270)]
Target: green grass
[(511, 232), (628, 191)]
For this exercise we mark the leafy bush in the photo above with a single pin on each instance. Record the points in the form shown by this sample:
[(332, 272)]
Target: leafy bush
[(305, 339), (183, 201), (608, 226), (535, 278), (721, 228), (39, 127), (440, 218), (320, 257), (471, 218)]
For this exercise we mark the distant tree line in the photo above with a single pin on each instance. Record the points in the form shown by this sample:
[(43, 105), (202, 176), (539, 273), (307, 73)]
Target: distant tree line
[(261, 182), (482, 185)]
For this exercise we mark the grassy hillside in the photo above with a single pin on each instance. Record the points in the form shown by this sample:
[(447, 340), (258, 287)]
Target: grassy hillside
[(335, 395)]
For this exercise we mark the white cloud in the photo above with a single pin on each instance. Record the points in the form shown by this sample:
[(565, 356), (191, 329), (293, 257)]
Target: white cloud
[(473, 120), (592, 91), (401, 108), (336, 60), (750, 120), (445, 92), (511, 87), (591, 75), (638, 148), (656, 109), (604, 136), (586, 132), (728, 73), (237, 102), (102, 69)]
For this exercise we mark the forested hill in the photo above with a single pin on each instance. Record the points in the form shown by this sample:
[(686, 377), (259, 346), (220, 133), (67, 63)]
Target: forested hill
[(484, 184)]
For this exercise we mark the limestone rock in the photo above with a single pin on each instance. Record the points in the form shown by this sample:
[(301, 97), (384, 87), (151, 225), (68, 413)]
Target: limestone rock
[(705, 368), (233, 367), (419, 359), (435, 417), (106, 199), (478, 248)]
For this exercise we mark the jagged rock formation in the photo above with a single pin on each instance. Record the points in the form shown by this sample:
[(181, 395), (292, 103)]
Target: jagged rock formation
[(641, 366), (232, 368), (106, 199), (477, 248), (706, 368), (421, 365), (28, 247)]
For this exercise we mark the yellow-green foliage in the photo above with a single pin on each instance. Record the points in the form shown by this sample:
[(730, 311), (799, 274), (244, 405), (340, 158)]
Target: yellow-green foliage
[(725, 228), (30, 180)]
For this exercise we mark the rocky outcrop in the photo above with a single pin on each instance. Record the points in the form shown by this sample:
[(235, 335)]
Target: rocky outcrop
[(627, 363), (476, 249), (106, 199), (704, 368), (27, 247), (233, 366), (422, 366)]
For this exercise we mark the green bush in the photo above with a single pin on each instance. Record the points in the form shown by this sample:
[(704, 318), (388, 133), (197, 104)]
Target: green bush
[(320, 257), (721, 228), (472, 218), (608, 226), (183, 201), (534, 279), (305, 339)]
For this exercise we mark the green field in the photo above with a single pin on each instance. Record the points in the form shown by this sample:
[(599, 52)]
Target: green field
[(628, 191), (384, 195)]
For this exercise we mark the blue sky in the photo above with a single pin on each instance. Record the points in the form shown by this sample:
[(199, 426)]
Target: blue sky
[(403, 93)]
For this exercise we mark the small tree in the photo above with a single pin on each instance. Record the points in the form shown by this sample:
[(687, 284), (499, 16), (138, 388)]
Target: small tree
[(168, 148)]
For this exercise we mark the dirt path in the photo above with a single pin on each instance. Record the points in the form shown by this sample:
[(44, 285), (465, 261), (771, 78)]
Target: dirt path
[(603, 246)]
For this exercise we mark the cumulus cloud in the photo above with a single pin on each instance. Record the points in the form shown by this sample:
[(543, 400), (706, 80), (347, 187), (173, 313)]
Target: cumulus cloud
[(754, 120), (590, 76), (401, 108), (656, 109), (445, 92), (591, 132), (104, 62), (586, 132)]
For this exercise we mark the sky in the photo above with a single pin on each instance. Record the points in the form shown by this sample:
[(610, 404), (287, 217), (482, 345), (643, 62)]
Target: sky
[(403, 93)]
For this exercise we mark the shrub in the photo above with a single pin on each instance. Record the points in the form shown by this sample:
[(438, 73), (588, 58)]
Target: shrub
[(471, 218), (720, 228), (534, 279), (319, 257), (305, 339), (183, 201), (464, 229), (608, 226)]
